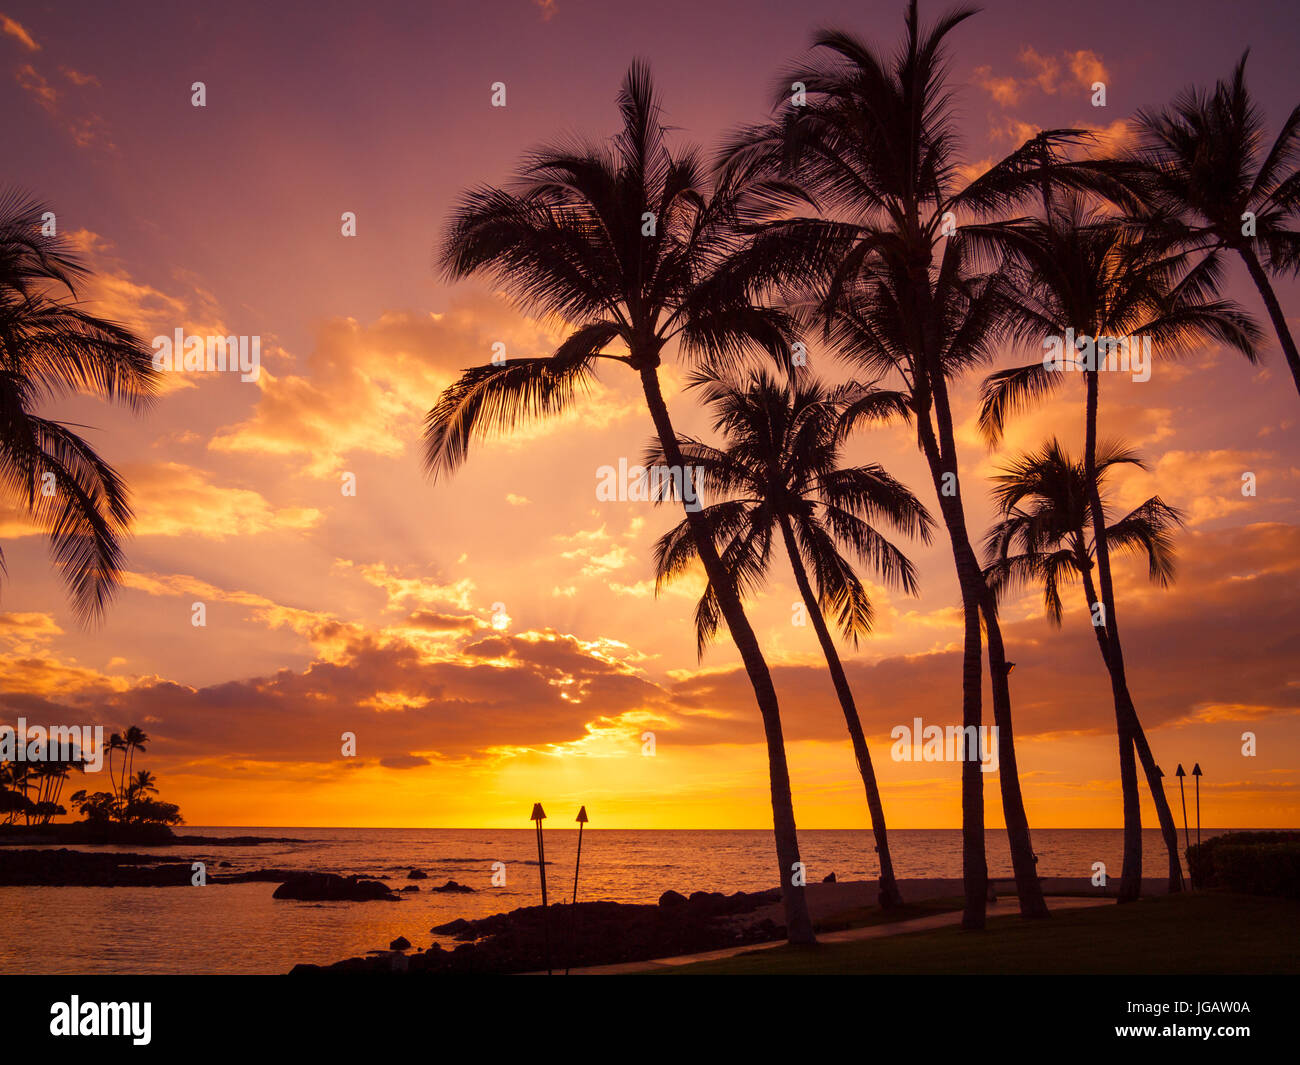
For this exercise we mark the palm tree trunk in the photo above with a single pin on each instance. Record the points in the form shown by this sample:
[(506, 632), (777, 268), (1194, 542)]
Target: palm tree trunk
[(975, 870), (1024, 863), (1130, 881), (1260, 277), (799, 927), (1130, 887), (1156, 783), (890, 897)]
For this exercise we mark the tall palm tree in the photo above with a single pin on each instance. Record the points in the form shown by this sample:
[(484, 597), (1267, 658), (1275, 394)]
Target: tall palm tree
[(1210, 185), (51, 348), (1047, 537), (1074, 271), (626, 245), (871, 145), (135, 739), (115, 743), (780, 473)]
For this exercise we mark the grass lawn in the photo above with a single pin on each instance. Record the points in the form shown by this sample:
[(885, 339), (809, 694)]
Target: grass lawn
[(1200, 933)]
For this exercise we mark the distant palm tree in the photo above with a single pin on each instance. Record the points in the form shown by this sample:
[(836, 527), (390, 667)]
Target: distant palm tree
[(135, 739), (1047, 538), (143, 783), (780, 473), (871, 146), (116, 743), (1076, 269), (625, 244), (15, 783), (1210, 186), (51, 348)]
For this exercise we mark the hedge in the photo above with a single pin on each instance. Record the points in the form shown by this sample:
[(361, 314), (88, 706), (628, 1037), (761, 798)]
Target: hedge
[(1252, 863)]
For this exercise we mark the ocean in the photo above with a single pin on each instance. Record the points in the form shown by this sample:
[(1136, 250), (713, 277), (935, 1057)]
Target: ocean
[(239, 928)]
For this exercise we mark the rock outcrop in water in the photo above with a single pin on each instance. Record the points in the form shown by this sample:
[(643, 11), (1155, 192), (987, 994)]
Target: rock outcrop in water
[(329, 887), (591, 933), (69, 868)]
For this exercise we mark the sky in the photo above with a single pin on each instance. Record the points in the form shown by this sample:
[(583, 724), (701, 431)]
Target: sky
[(494, 639)]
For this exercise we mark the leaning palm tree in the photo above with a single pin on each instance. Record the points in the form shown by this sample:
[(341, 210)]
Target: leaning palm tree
[(779, 473), (50, 348), (627, 247), (1209, 184), (1105, 298), (870, 142), (1047, 537)]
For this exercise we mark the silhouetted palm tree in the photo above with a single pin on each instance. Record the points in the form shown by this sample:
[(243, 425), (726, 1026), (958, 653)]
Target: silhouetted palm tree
[(134, 739), (871, 145), (15, 782), (1076, 269), (625, 244), (143, 783), (1210, 186), (51, 348), (1047, 537), (115, 743), (780, 473)]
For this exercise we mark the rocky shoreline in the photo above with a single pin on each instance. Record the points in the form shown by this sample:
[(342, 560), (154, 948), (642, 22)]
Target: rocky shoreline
[(591, 933), (523, 940), (68, 868), (81, 833)]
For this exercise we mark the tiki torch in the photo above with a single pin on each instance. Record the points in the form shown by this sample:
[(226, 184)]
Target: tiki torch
[(539, 815)]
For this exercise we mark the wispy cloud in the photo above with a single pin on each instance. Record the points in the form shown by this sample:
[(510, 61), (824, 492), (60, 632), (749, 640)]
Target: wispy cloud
[(14, 29)]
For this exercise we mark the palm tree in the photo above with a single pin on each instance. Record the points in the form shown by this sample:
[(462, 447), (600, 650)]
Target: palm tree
[(1076, 272), (143, 783), (1208, 184), (780, 473), (51, 348), (135, 739), (871, 146), (625, 245), (115, 743), (15, 782), (1047, 536)]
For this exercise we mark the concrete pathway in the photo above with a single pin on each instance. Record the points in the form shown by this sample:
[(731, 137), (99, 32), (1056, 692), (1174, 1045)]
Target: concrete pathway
[(847, 935)]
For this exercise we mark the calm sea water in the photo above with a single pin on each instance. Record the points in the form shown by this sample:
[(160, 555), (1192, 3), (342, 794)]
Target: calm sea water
[(239, 928)]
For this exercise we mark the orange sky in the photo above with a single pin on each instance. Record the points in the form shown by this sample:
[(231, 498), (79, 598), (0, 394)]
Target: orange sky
[(378, 613)]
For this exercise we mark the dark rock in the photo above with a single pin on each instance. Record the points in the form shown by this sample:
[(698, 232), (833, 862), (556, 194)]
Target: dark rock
[(400, 943), (670, 899), (322, 887), (603, 933), (829, 879), (410, 888), (451, 885), (417, 874)]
